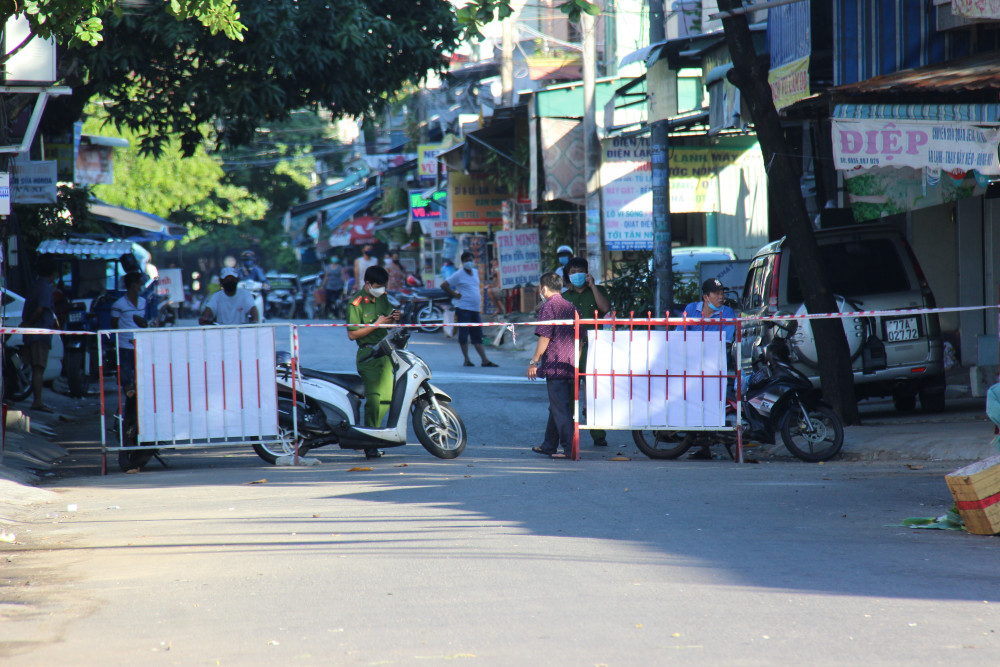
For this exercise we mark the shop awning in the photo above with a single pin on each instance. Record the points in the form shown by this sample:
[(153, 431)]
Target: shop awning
[(359, 231), (85, 248), (965, 77), (334, 209), (152, 227), (392, 220), (983, 113)]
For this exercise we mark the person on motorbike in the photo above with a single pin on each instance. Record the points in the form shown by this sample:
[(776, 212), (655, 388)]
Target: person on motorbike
[(250, 270), (230, 306), (712, 306), (333, 285)]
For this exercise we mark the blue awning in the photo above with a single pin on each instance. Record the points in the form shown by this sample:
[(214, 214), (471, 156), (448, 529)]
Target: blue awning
[(984, 113), (335, 209)]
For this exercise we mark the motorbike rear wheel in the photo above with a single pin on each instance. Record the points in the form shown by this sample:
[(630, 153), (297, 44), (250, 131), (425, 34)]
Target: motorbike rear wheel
[(443, 435), (430, 318), (818, 439), (661, 444)]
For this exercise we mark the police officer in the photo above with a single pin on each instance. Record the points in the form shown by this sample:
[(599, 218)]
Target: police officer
[(369, 306)]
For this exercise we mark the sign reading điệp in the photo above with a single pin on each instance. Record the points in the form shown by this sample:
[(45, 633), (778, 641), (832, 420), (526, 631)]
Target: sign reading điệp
[(947, 145)]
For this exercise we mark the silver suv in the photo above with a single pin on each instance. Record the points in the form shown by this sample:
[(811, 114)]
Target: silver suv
[(870, 267)]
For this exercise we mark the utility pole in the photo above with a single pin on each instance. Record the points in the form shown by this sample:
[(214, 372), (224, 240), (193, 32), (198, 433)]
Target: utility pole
[(507, 61), (592, 150), (659, 150)]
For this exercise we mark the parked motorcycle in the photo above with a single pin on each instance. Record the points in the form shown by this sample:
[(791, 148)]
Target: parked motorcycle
[(328, 407), (282, 300), (424, 307), (778, 399)]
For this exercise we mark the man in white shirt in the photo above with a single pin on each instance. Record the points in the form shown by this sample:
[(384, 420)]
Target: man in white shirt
[(129, 313), (231, 305), (463, 288)]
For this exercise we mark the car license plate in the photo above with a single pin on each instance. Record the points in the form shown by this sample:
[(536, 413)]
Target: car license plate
[(900, 329)]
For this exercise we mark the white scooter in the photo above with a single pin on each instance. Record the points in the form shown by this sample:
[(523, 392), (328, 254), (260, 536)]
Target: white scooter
[(328, 408)]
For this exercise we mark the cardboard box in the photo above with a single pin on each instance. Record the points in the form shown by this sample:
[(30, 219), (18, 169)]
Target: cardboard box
[(976, 490)]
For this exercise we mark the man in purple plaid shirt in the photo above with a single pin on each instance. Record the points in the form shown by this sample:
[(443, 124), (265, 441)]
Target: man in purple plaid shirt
[(554, 360)]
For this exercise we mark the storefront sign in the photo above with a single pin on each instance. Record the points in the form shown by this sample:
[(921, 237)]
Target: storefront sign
[(170, 285), (948, 145), (976, 9), (4, 193), (33, 182), (789, 83), (427, 164), (628, 194), (520, 258), (474, 202), (430, 213)]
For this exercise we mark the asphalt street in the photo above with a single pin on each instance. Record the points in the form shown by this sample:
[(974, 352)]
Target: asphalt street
[(498, 557)]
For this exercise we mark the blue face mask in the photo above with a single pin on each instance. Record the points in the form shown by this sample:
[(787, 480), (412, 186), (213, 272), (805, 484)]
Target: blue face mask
[(563, 259), (468, 266), (714, 308), (578, 279)]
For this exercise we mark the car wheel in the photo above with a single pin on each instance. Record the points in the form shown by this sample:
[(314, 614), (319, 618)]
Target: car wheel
[(904, 401)]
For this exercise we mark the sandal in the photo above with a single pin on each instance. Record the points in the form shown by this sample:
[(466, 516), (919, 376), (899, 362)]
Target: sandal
[(488, 364), (468, 363), (539, 450)]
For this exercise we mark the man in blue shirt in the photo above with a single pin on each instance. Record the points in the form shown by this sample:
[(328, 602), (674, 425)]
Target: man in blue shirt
[(711, 307)]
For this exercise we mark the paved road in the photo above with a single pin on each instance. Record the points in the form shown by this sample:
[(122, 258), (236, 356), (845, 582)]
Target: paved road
[(499, 557)]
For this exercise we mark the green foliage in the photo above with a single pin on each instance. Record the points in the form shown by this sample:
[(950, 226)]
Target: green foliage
[(69, 215), (162, 78), (510, 174), (633, 287), (79, 22)]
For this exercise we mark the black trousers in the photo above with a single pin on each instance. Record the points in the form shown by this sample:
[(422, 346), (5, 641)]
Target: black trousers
[(559, 430)]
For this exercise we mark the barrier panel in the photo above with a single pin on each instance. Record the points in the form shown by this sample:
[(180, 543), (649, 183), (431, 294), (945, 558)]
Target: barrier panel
[(642, 375), (196, 387)]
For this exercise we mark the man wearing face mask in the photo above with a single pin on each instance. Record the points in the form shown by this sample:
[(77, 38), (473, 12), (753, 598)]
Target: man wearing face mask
[(231, 305), (711, 306), (363, 263), (563, 253), (588, 297), (463, 287), (369, 307)]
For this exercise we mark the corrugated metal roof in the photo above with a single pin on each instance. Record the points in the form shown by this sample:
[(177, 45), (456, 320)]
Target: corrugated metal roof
[(85, 248), (976, 74)]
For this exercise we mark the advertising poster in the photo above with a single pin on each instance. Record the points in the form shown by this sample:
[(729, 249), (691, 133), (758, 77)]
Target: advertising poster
[(427, 163), (520, 257), (170, 286), (628, 194), (474, 203)]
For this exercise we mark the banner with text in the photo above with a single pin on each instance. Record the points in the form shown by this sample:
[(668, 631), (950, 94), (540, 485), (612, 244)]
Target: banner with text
[(431, 213), (475, 203), (520, 257), (33, 182), (948, 145)]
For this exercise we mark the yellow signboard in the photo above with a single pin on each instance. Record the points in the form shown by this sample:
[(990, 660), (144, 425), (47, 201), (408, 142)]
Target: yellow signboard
[(789, 83), (693, 174), (474, 203)]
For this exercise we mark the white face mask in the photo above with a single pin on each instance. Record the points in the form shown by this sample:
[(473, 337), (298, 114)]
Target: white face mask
[(376, 291)]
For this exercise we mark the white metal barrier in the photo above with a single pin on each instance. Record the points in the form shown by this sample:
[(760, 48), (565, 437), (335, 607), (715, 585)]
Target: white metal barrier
[(198, 387)]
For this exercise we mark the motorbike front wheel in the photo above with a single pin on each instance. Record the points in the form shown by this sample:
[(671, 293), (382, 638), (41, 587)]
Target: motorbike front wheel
[(443, 435), (430, 318), (661, 444), (816, 436), (271, 451)]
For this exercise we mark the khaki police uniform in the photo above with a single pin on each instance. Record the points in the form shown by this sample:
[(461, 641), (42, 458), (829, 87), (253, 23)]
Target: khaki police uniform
[(363, 309), (587, 305)]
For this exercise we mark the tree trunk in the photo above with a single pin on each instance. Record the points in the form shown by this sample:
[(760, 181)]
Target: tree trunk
[(748, 74)]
